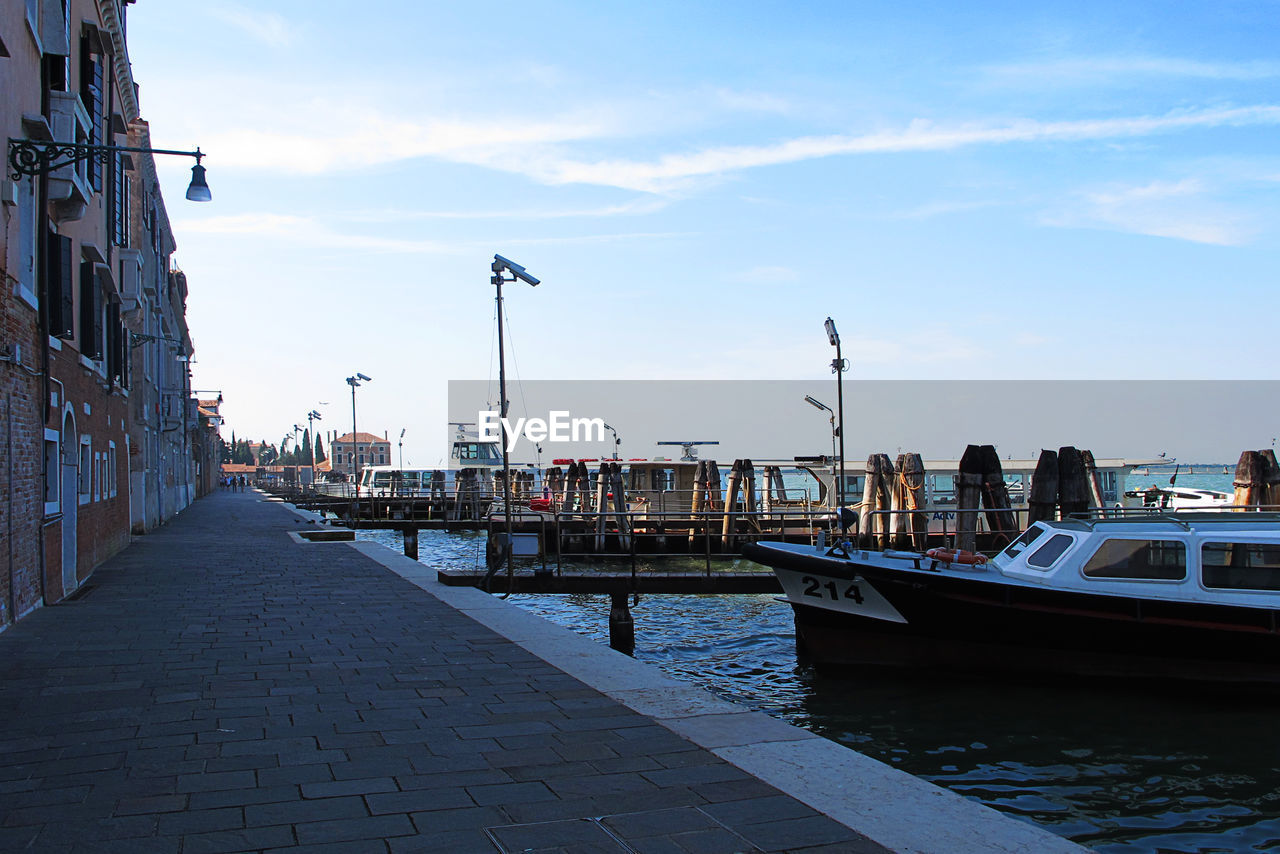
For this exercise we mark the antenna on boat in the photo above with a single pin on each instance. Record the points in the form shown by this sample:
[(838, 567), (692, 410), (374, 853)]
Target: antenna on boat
[(689, 452)]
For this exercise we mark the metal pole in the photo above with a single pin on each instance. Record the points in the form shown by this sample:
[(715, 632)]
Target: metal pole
[(355, 443), (839, 366), (502, 414)]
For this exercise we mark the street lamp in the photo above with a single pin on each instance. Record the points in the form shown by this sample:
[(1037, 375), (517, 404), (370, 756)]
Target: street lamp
[(616, 441), (354, 382), (40, 157), (838, 367), (499, 266), (812, 401), (402, 429), (312, 417)]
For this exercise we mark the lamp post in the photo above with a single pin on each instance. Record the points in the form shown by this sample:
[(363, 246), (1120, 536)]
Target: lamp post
[(617, 443), (40, 157), (838, 367), (499, 266), (402, 429), (812, 401), (312, 417), (354, 382)]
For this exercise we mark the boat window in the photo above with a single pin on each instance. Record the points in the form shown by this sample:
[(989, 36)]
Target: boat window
[(1053, 548), (1164, 560), (1028, 536), (1241, 566), (943, 488)]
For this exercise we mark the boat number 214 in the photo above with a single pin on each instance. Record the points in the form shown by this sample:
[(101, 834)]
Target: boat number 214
[(814, 587)]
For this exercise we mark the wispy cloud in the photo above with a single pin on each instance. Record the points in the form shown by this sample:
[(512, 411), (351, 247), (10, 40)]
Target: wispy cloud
[(637, 207), (1181, 210), (313, 232), (1075, 71), (670, 172), (267, 27)]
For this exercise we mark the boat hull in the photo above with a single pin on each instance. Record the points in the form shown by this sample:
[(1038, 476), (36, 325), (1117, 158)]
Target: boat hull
[(975, 622)]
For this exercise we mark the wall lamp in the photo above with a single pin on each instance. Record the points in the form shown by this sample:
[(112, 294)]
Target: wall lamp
[(40, 157)]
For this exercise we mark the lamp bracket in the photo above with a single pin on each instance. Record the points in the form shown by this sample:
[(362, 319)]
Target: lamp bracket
[(839, 365), (40, 157), (136, 338)]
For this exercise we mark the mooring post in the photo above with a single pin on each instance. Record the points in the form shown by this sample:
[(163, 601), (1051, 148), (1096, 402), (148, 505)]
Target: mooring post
[(411, 543), (622, 628)]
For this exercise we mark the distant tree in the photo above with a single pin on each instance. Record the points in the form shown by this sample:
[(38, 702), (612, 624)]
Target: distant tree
[(306, 448), (320, 457)]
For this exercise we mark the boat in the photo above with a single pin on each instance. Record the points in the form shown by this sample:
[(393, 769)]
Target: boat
[(1181, 498), (1180, 596)]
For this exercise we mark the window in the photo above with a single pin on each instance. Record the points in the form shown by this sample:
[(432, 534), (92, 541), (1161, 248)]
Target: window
[(1054, 547), (1108, 481), (28, 220), (1028, 537), (58, 286), (1162, 560), (53, 472), (943, 487), (91, 96), (86, 470), (90, 311), (1241, 566), (112, 488)]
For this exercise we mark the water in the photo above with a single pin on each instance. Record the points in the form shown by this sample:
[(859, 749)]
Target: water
[(1117, 769)]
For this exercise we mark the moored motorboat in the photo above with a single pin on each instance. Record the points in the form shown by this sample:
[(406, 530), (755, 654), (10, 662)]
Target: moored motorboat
[(1172, 596)]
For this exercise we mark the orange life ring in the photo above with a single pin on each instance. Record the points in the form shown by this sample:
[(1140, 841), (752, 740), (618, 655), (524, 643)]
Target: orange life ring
[(956, 556)]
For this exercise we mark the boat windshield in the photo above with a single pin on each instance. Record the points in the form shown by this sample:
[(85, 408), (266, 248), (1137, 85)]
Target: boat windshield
[(1027, 538)]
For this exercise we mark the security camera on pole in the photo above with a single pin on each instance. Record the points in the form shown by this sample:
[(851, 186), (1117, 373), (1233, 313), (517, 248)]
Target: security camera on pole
[(499, 266)]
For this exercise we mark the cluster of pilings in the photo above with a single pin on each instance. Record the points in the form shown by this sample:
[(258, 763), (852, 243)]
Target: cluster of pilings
[(893, 500), (1065, 482), (1257, 481)]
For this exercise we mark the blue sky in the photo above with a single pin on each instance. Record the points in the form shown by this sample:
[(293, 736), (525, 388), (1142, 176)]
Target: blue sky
[(972, 191)]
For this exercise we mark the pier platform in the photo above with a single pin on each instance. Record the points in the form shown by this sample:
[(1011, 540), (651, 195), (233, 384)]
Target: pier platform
[(226, 685)]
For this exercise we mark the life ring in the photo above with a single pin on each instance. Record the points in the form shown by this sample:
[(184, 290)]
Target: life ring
[(956, 556)]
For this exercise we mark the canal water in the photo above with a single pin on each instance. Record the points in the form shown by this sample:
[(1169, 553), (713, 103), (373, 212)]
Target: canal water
[(1119, 769)]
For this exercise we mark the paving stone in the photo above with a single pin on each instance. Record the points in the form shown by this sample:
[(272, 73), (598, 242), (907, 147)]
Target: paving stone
[(226, 689)]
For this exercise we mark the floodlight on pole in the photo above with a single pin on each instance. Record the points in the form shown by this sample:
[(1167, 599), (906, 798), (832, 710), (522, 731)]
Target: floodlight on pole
[(838, 367)]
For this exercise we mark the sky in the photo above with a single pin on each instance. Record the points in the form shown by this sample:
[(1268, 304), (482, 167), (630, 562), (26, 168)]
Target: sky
[(976, 191)]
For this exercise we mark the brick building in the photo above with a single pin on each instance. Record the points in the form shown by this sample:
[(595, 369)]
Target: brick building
[(350, 453), (81, 244)]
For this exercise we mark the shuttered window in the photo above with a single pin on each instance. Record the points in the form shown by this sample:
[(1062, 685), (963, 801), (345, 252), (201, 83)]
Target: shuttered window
[(91, 95), (90, 312), (58, 292)]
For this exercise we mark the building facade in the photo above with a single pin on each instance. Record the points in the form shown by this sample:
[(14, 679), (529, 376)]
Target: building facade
[(87, 354), (351, 452)]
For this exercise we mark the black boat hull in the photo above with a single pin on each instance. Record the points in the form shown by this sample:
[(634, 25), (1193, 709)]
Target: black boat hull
[(976, 623)]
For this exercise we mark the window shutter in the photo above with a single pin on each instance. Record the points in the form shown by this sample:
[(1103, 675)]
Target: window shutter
[(59, 296), (91, 96), (113, 341), (88, 283), (98, 338)]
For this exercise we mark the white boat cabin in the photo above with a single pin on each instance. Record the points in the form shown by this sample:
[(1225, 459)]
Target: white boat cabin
[(1228, 558)]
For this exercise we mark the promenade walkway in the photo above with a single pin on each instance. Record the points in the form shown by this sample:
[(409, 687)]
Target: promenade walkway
[(222, 686)]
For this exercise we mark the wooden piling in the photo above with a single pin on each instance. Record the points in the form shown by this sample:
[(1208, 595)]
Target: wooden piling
[(1250, 481), (968, 498), (1270, 479), (1093, 482), (700, 479), (910, 478), (1073, 487), (1001, 521), (732, 488), (622, 627), (1042, 498), (411, 543)]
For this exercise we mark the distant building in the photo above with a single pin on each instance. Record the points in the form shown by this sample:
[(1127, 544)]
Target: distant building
[(350, 453)]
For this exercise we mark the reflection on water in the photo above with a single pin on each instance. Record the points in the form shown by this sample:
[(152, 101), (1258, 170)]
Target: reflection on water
[(1118, 770)]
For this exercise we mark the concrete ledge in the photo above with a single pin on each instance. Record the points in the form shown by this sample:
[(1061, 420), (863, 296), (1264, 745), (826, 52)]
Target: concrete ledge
[(893, 808)]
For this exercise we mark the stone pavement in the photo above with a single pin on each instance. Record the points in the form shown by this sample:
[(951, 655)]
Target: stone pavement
[(222, 686)]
